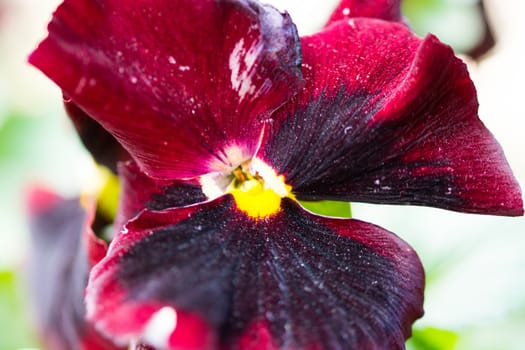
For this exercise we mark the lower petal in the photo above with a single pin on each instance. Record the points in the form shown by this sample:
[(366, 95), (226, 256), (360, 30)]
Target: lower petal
[(290, 281), (140, 191)]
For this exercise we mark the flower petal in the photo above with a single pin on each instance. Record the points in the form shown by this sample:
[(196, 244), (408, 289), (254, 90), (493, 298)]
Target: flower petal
[(142, 192), (389, 10), (177, 82), (388, 118), (63, 249), (101, 144), (294, 280)]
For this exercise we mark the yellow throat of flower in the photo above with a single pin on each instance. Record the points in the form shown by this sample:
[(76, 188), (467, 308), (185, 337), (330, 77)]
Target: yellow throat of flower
[(254, 185)]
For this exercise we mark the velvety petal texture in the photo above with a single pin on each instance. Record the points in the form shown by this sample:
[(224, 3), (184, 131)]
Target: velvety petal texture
[(139, 192), (290, 281), (390, 119), (389, 10), (63, 251), (147, 70)]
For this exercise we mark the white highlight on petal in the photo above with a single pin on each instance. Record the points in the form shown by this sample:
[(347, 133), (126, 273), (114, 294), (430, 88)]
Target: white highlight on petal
[(234, 63), (270, 177), (160, 327), (232, 157), (218, 181), (242, 66), (90, 303), (215, 183)]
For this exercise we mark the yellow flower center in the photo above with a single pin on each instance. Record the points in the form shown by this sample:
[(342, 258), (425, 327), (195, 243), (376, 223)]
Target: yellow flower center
[(254, 196), (254, 185)]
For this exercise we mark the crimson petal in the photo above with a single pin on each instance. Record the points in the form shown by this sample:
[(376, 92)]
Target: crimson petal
[(64, 249), (177, 82), (389, 10), (389, 118), (294, 280)]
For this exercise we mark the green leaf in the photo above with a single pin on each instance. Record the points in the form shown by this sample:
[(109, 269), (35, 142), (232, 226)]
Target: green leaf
[(431, 338), (14, 323), (329, 208)]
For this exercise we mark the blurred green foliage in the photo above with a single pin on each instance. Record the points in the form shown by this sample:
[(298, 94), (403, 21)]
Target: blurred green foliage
[(458, 23), (329, 208), (33, 151), (13, 316), (432, 339)]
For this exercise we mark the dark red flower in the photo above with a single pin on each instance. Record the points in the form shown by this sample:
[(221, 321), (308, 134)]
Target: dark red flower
[(230, 118)]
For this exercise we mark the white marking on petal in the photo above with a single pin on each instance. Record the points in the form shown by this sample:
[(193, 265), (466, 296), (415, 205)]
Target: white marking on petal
[(89, 300), (216, 182), (81, 85), (233, 156), (234, 63), (214, 185), (160, 327), (242, 66), (270, 177)]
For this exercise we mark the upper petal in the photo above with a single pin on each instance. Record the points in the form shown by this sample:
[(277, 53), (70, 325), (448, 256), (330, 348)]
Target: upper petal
[(386, 117), (389, 10), (291, 281), (176, 82)]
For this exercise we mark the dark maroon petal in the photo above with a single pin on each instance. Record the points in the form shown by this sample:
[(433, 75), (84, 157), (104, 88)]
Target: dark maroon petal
[(104, 148), (177, 82), (389, 10), (389, 118), (294, 280), (139, 192), (59, 265)]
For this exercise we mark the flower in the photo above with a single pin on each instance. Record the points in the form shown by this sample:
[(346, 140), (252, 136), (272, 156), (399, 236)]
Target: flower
[(231, 119), (66, 249)]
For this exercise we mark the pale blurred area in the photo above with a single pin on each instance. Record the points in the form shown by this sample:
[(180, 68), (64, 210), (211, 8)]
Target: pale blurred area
[(475, 264), (47, 153)]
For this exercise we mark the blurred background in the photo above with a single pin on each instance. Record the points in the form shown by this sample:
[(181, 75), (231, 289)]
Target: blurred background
[(475, 265)]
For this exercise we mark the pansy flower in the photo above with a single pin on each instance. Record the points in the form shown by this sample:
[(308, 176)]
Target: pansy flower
[(230, 120)]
